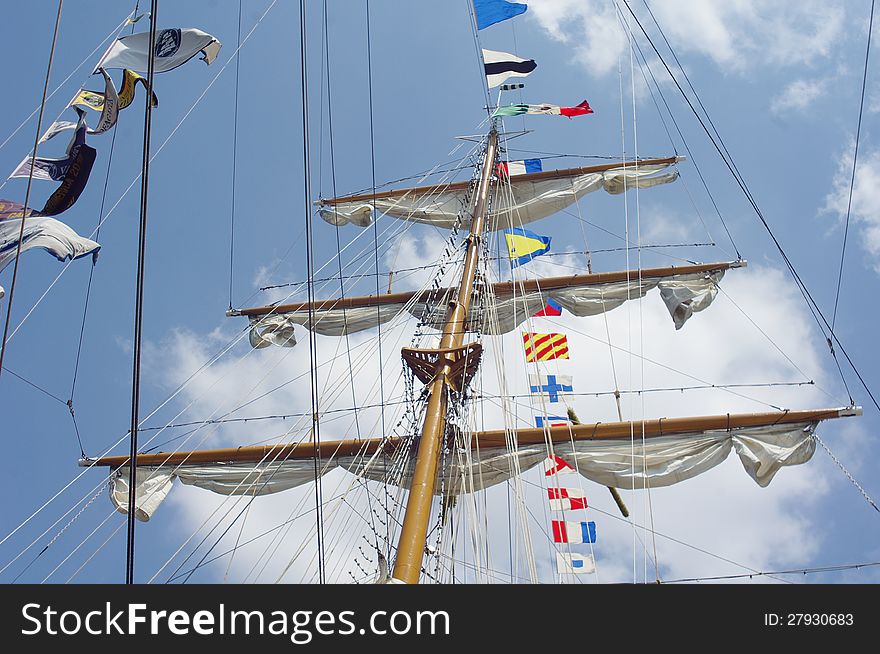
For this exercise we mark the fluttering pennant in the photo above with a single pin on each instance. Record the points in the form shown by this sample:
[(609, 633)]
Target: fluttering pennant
[(55, 129), (523, 245), (75, 180), (173, 48), (499, 66), (490, 12), (574, 532), (95, 101), (130, 80), (557, 466), (551, 421), (566, 499), (574, 564), (47, 233), (132, 20), (550, 386), (109, 107), (54, 169), (545, 347), (550, 109), (550, 310), (10, 209), (86, 99), (513, 168)]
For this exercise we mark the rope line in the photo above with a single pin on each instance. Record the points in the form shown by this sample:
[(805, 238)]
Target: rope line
[(139, 300), (722, 150), (803, 571), (234, 158), (852, 183), (27, 195)]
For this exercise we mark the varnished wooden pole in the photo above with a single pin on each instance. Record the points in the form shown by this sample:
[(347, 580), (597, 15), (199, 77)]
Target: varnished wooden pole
[(499, 289), (599, 431), (413, 534)]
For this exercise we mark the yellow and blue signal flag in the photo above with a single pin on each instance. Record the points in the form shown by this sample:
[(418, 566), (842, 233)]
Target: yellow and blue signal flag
[(523, 245)]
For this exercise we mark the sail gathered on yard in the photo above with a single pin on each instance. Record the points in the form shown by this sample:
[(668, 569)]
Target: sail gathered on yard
[(525, 199), (686, 291), (673, 451)]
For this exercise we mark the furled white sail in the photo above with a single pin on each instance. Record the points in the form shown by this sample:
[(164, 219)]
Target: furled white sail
[(522, 200), (667, 460), (661, 461), (683, 295), (154, 483)]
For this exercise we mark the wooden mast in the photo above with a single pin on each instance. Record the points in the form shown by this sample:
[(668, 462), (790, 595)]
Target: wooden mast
[(413, 534)]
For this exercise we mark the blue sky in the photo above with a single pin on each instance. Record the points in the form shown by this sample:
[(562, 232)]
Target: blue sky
[(781, 82)]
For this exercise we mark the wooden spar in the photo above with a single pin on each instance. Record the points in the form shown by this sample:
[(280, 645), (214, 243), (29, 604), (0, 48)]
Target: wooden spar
[(659, 427), (584, 432), (252, 454), (531, 177), (414, 531), (500, 289)]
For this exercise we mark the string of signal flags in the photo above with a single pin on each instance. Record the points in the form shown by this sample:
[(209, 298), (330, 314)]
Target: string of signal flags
[(545, 388), (501, 66)]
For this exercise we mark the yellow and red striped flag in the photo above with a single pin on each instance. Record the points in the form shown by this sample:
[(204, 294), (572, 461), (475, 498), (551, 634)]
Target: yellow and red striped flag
[(545, 347)]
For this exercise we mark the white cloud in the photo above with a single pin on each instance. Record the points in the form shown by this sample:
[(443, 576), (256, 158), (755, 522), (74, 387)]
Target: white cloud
[(799, 95), (865, 199), (722, 512), (737, 36)]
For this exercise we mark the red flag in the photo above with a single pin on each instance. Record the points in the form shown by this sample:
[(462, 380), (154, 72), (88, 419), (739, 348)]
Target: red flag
[(583, 108), (556, 466), (566, 499)]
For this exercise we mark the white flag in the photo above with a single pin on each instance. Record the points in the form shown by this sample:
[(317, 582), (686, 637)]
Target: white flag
[(56, 128), (174, 47), (574, 564), (501, 65), (47, 233)]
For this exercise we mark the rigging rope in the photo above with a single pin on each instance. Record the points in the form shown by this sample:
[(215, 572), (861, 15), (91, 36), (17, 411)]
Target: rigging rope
[(646, 484), (546, 255), (39, 388), (354, 402), (722, 150), (27, 195), (113, 33), (91, 276), (313, 347), (234, 157), (803, 571), (852, 183), (376, 236), (54, 538), (139, 299), (643, 66), (846, 472)]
